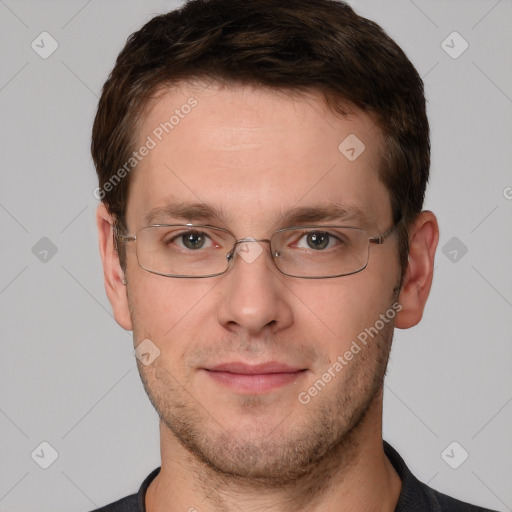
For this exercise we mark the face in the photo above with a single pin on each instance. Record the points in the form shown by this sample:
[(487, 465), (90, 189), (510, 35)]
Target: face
[(242, 354)]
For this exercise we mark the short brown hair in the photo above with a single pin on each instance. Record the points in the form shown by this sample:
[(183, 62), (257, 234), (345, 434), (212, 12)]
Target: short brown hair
[(319, 46)]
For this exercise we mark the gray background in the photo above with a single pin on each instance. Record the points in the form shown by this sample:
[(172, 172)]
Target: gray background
[(68, 374)]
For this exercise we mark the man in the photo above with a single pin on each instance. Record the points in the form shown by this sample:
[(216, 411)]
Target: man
[(262, 167)]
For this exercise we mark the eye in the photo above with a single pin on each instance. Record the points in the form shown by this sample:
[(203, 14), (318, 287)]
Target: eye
[(192, 240), (316, 240), (321, 240)]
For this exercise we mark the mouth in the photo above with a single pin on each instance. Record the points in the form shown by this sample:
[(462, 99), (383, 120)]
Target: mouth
[(255, 379)]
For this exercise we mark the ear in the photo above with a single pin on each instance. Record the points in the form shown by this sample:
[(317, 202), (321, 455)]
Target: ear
[(113, 274), (423, 238)]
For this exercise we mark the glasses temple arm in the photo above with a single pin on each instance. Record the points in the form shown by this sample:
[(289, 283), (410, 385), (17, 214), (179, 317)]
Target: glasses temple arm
[(379, 239)]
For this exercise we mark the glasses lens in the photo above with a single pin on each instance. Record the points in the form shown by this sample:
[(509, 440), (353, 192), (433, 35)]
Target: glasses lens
[(320, 251), (186, 251)]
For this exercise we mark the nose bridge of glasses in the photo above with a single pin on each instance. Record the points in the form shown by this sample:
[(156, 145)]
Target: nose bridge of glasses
[(240, 241)]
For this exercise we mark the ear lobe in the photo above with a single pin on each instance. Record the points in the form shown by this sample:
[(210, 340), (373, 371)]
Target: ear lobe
[(113, 274), (423, 239)]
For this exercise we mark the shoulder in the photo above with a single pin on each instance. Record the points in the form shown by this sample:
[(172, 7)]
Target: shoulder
[(134, 502), (416, 496), (448, 504), (128, 504)]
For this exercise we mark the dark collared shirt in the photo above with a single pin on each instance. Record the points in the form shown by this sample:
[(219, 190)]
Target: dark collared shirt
[(415, 496)]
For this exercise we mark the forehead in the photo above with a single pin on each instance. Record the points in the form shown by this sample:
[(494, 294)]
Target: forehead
[(252, 154)]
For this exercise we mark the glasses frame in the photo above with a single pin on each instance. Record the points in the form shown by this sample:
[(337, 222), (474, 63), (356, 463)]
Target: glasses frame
[(230, 256)]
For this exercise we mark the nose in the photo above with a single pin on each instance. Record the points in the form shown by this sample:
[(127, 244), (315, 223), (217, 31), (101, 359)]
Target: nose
[(252, 297)]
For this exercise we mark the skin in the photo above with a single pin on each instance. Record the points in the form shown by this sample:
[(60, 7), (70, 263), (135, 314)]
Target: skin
[(254, 154)]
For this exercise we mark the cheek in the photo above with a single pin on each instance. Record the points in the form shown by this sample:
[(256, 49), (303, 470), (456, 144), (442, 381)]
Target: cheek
[(167, 312), (163, 307), (354, 305)]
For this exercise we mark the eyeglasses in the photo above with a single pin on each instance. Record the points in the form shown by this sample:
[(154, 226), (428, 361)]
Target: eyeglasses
[(309, 252)]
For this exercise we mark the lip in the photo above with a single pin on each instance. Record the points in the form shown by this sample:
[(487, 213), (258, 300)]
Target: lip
[(254, 379), (255, 369)]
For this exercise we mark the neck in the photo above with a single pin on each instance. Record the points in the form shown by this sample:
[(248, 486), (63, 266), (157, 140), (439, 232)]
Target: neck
[(356, 475)]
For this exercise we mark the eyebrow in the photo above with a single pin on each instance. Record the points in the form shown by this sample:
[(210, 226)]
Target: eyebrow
[(194, 212), (182, 211), (325, 213)]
